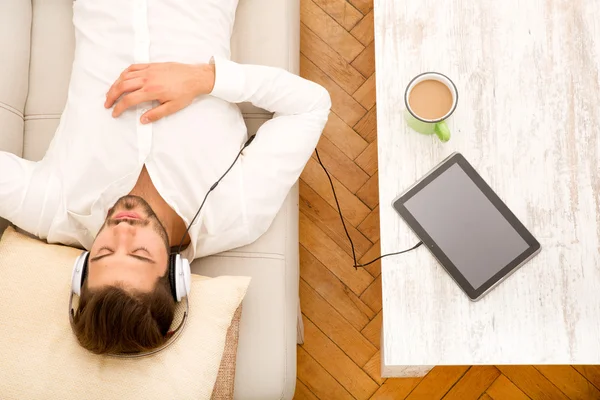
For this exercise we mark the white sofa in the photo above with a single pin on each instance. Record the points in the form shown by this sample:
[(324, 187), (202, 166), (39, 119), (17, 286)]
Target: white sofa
[(36, 53)]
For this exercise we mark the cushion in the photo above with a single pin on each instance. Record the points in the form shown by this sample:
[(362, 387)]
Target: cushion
[(42, 359), (225, 384)]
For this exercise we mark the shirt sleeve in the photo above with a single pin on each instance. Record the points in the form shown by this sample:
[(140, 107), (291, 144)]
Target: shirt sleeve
[(273, 162), (21, 201)]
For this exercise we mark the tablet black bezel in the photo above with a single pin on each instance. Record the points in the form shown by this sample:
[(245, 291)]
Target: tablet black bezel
[(459, 159)]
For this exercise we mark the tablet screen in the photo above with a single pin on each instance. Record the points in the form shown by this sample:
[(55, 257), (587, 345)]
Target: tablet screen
[(466, 226)]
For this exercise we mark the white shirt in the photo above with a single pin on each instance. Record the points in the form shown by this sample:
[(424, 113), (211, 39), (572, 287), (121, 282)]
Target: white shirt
[(94, 159)]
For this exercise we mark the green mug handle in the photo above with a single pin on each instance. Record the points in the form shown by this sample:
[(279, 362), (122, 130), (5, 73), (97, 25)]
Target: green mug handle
[(442, 131)]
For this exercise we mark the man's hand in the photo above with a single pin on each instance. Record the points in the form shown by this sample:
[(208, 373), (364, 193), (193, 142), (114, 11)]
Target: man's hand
[(174, 85)]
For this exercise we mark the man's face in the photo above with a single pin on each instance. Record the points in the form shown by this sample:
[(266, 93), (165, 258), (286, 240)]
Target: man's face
[(131, 248)]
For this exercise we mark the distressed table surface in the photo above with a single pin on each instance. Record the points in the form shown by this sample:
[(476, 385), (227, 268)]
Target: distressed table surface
[(528, 120)]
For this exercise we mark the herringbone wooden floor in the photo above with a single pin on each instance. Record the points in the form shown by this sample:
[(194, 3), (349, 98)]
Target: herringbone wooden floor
[(341, 307)]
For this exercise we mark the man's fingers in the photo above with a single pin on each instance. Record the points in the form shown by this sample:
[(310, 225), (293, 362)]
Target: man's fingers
[(121, 87), (159, 112), (131, 72), (130, 100)]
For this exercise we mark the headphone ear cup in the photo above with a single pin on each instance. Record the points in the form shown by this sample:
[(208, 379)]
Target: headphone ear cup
[(180, 277), (79, 273), (172, 275), (186, 277)]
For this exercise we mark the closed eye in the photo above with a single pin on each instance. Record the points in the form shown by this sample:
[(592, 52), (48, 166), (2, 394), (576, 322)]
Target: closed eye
[(133, 255), (142, 249), (110, 251), (148, 260)]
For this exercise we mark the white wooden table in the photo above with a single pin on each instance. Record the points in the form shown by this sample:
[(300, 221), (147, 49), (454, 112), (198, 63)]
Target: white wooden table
[(527, 73)]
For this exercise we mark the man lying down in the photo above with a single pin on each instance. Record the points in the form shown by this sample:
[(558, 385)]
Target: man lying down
[(149, 125)]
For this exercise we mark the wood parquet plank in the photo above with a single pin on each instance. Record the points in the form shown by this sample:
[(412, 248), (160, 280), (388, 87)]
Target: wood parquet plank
[(367, 126), (485, 396), (373, 330), (328, 220), (373, 368), (329, 61), (344, 137), (332, 256), (504, 389), (372, 295), (437, 383), (353, 209), (343, 104), (569, 381), (365, 61), (342, 11), (370, 226), (340, 166), (365, 94), (367, 160), (369, 192), (396, 388), (364, 6), (334, 326), (324, 282), (474, 383), (375, 268), (332, 33), (303, 393), (317, 379), (531, 382), (337, 363), (364, 31), (591, 373)]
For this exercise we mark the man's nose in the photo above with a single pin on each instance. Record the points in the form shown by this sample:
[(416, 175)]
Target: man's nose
[(124, 230)]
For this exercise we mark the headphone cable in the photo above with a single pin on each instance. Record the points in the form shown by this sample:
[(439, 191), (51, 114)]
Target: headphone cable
[(356, 264), (250, 139)]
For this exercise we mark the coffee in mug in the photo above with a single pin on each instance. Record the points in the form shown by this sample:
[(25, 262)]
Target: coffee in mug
[(430, 99)]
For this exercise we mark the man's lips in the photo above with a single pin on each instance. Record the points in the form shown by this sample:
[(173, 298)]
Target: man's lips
[(127, 215)]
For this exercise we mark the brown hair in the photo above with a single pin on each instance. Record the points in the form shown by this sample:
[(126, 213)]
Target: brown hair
[(113, 320)]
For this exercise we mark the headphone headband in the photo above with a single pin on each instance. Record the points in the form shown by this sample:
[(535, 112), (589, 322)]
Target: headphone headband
[(174, 335)]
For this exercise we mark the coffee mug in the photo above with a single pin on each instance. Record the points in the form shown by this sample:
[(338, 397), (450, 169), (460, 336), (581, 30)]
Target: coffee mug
[(430, 99)]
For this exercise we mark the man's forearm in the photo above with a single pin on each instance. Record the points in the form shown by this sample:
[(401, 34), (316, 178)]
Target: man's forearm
[(270, 88)]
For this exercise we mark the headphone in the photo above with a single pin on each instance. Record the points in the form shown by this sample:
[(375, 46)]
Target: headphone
[(179, 279), (180, 276)]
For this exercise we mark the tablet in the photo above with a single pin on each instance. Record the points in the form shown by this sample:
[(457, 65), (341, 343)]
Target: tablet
[(466, 226)]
